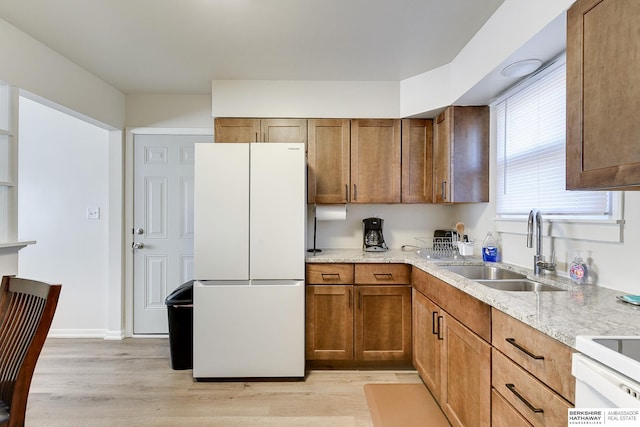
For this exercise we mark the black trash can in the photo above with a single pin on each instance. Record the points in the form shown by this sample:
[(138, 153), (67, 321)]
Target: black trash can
[(180, 313)]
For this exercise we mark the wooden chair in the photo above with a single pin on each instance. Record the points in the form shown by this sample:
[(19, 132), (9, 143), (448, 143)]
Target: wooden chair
[(26, 311)]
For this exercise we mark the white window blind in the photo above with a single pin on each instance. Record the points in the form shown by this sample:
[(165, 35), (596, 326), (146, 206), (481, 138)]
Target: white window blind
[(531, 153)]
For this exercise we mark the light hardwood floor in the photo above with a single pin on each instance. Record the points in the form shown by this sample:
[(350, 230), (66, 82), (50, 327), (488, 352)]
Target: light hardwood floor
[(90, 382)]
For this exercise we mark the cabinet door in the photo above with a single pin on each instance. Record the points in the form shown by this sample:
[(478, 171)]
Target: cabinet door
[(461, 155), (417, 161), (426, 341), (469, 152), (383, 323), (237, 130), (284, 130), (375, 161), (329, 322), (465, 376), (329, 161), (603, 97), (442, 157)]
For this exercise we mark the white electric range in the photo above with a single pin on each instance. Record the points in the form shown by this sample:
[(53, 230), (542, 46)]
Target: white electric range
[(607, 371)]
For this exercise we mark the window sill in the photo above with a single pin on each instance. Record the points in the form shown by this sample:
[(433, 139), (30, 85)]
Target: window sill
[(609, 231)]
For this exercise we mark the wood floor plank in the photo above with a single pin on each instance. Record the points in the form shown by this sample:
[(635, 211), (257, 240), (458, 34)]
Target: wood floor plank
[(90, 382)]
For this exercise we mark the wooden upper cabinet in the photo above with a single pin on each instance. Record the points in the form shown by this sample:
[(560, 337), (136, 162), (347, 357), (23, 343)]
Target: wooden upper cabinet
[(375, 161), (284, 130), (461, 155), (237, 130), (603, 95), (260, 130), (417, 161), (328, 160)]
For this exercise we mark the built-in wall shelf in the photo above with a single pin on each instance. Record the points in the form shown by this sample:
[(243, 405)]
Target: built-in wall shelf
[(17, 245)]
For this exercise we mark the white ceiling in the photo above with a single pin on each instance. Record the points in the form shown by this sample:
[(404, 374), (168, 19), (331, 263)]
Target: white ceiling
[(179, 46)]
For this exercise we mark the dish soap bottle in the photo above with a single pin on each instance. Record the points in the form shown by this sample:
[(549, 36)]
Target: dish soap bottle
[(578, 270), (489, 249)]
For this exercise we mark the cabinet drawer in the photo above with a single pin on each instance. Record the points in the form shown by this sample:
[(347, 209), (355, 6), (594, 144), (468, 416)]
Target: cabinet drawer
[(540, 405), (546, 358), (383, 274), (329, 274), (471, 312), (505, 415)]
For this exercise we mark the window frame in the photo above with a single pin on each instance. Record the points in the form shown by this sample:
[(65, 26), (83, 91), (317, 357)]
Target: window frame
[(598, 228)]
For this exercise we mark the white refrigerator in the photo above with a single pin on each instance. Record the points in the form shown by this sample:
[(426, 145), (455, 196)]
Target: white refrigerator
[(249, 247)]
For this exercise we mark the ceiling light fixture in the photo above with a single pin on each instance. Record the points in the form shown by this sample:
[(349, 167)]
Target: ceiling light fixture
[(521, 68)]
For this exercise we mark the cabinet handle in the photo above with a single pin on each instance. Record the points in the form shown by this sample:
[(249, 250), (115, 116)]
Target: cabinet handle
[(330, 275), (355, 192), (256, 140), (346, 192), (512, 389), (385, 276), (444, 190), (513, 342), (359, 300), (440, 328), (434, 320)]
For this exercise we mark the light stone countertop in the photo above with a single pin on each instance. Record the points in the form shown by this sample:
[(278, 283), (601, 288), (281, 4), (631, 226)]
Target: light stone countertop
[(581, 310)]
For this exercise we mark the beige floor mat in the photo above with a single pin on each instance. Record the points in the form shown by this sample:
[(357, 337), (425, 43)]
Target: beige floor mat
[(403, 405)]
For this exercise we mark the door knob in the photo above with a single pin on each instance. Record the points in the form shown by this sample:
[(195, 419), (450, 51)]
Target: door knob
[(138, 231), (139, 245)]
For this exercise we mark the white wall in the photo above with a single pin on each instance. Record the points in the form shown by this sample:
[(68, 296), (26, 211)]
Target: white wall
[(611, 263), (511, 26), (63, 170), (32, 66), (315, 99), (168, 111), (402, 224)]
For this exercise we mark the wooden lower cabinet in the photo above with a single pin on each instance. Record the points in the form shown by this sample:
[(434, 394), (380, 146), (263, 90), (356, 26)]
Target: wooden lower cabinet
[(465, 376), (358, 323), (329, 322), (383, 323), (505, 415), (426, 342), (453, 361), (536, 402)]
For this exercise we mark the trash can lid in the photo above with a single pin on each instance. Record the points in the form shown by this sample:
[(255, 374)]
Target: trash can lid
[(182, 295)]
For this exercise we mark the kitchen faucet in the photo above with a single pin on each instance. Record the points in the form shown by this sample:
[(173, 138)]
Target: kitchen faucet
[(539, 264)]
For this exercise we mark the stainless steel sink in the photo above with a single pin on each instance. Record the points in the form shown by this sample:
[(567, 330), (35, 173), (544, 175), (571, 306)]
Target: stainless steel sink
[(519, 285), (483, 272)]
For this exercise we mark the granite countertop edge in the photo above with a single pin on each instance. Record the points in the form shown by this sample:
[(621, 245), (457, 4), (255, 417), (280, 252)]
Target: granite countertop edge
[(580, 310)]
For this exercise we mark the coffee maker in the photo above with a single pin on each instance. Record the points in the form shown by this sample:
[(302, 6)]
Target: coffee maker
[(372, 239)]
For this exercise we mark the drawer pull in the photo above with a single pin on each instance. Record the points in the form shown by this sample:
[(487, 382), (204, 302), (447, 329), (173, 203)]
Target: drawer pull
[(330, 275), (512, 389), (513, 342), (434, 321), (440, 328), (385, 276)]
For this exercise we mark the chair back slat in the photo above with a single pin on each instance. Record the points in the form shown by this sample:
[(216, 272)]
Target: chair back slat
[(26, 311)]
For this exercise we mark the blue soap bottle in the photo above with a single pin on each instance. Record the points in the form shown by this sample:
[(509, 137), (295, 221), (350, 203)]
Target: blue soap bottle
[(489, 249)]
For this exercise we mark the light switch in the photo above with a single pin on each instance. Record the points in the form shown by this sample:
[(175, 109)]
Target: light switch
[(93, 213)]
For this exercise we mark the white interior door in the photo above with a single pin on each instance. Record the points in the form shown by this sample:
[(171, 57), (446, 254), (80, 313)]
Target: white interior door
[(162, 224)]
